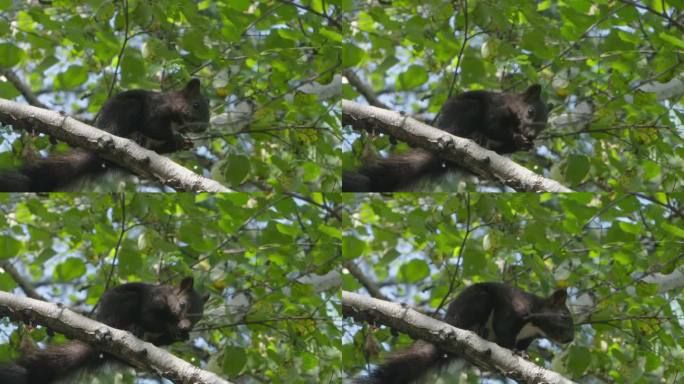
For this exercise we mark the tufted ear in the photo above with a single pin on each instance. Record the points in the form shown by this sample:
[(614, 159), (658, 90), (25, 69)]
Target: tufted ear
[(558, 298), (533, 92), (192, 87), (186, 284)]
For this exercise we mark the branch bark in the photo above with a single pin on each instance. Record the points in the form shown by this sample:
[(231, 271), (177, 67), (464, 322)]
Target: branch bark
[(465, 152), (120, 343), (484, 354), (122, 151)]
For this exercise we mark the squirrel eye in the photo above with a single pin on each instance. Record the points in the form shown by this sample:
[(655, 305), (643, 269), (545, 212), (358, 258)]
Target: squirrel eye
[(196, 105), (530, 111)]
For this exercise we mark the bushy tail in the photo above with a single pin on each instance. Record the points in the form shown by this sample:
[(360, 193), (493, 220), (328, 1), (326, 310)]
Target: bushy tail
[(393, 173), (13, 374), (405, 366), (43, 366), (51, 173)]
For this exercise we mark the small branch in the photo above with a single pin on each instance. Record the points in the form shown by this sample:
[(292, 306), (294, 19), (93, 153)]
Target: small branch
[(332, 21), (653, 11), (370, 286), (461, 151), (365, 89), (22, 87), (119, 343), (122, 151), (24, 284), (476, 350)]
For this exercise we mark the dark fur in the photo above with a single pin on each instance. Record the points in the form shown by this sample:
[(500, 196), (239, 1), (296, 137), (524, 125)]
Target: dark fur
[(512, 308), (160, 314), (501, 122), (146, 117)]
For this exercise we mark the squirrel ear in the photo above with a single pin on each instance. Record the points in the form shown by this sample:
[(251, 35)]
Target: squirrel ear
[(533, 92), (186, 283), (193, 86), (558, 298)]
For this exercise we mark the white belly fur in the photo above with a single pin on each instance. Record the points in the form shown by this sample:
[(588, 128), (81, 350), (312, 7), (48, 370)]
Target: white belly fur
[(529, 330)]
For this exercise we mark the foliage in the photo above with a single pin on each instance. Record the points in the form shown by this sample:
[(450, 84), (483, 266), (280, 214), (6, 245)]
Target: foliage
[(258, 61), (620, 256), (616, 126), (267, 319)]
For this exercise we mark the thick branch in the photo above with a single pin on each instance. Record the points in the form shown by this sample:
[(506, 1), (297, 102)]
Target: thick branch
[(478, 351), (122, 151), (115, 341), (462, 151)]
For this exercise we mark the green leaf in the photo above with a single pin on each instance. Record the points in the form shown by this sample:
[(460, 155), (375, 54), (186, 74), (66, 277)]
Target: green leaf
[(288, 229), (579, 359), (130, 261), (234, 360), (311, 171), (576, 169), (672, 40), (330, 231), (74, 76), (413, 77), (352, 247), (238, 168), (69, 269), (351, 55), (7, 90), (414, 271), (332, 35), (10, 55), (9, 247), (679, 232), (239, 5)]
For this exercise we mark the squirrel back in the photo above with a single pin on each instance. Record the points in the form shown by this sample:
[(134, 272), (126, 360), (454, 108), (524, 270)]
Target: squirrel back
[(154, 120), (504, 122), (159, 314), (497, 312)]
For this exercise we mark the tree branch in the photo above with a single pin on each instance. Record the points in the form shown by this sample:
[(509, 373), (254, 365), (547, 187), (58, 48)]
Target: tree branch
[(476, 350), (462, 151), (365, 89), (22, 87), (120, 150), (119, 343)]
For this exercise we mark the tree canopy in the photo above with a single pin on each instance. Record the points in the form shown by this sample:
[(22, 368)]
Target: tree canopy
[(268, 67), (612, 70), (619, 256), (267, 262)]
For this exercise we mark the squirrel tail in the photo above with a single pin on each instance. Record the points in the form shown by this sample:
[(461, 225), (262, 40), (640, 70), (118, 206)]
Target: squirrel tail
[(42, 366), (51, 173), (405, 366), (392, 173), (13, 374)]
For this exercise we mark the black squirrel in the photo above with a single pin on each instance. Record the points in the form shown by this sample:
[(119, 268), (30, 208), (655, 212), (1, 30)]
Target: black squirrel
[(497, 312), (160, 314), (155, 120), (503, 122)]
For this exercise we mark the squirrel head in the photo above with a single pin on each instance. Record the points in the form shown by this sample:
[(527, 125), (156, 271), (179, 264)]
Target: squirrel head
[(532, 113), (191, 107), (554, 318)]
